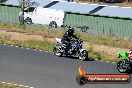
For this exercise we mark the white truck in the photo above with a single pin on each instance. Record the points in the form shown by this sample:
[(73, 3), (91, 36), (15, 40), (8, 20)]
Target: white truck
[(45, 16)]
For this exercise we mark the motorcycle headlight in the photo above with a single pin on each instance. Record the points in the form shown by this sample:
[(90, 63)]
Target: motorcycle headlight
[(117, 54)]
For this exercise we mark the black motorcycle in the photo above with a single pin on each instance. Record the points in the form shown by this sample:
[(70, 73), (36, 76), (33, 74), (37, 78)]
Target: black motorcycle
[(74, 50)]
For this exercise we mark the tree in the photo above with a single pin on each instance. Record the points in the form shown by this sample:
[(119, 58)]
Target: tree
[(3, 1), (28, 3), (24, 4), (21, 17)]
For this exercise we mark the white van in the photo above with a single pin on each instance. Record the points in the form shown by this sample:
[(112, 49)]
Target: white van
[(45, 16)]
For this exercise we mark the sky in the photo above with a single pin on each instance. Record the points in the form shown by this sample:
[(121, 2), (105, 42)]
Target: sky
[(16, 2)]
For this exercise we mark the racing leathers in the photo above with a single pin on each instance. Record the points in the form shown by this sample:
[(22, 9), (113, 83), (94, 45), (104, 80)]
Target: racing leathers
[(66, 39)]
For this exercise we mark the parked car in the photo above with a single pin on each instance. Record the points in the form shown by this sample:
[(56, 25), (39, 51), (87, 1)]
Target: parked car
[(44, 16)]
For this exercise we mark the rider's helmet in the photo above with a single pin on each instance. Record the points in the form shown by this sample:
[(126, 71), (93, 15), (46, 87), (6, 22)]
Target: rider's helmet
[(70, 30)]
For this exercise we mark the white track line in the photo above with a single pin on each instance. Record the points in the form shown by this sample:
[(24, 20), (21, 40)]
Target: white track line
[(24, 86), (113, 62), (9, 83), (107, 61), (11, 45), (17, 46), (21, 85), (34, 49), (40, 50), (3, 82)]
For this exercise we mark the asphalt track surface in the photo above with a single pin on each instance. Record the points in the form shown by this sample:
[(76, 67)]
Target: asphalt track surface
[(45, 70)]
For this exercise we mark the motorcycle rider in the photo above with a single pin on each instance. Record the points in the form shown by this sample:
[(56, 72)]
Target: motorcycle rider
[(67, 37), (130, 54), (126, 63), (126, 55)]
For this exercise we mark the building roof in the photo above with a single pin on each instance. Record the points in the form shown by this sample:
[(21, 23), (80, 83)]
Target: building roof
[(74, 7), (124, 12), (12, 2), (94, 9)]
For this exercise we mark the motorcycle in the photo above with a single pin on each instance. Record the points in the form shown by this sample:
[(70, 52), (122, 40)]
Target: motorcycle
[(124, 65), (74, 50)]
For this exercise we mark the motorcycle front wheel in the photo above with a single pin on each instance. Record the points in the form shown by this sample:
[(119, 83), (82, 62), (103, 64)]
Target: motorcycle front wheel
[(122, 66), (83, 55), (57, 52)]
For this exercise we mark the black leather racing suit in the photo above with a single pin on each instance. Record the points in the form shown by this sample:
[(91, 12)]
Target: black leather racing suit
[(66, 39)]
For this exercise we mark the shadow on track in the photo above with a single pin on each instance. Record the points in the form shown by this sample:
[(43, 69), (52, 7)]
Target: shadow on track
[(76, 58)]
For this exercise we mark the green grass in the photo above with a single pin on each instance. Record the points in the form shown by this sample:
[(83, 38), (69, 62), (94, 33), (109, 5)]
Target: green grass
[(40, 45), (12, 85), (110, 41), (52, 33), (103, 56), (33, 29), (106, 40)]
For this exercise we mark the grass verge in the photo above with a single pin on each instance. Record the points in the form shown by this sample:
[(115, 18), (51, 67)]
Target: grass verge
[(10, 85), (52, 33), (47, 32), (40, 45), (33, 29), (48, 46)]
